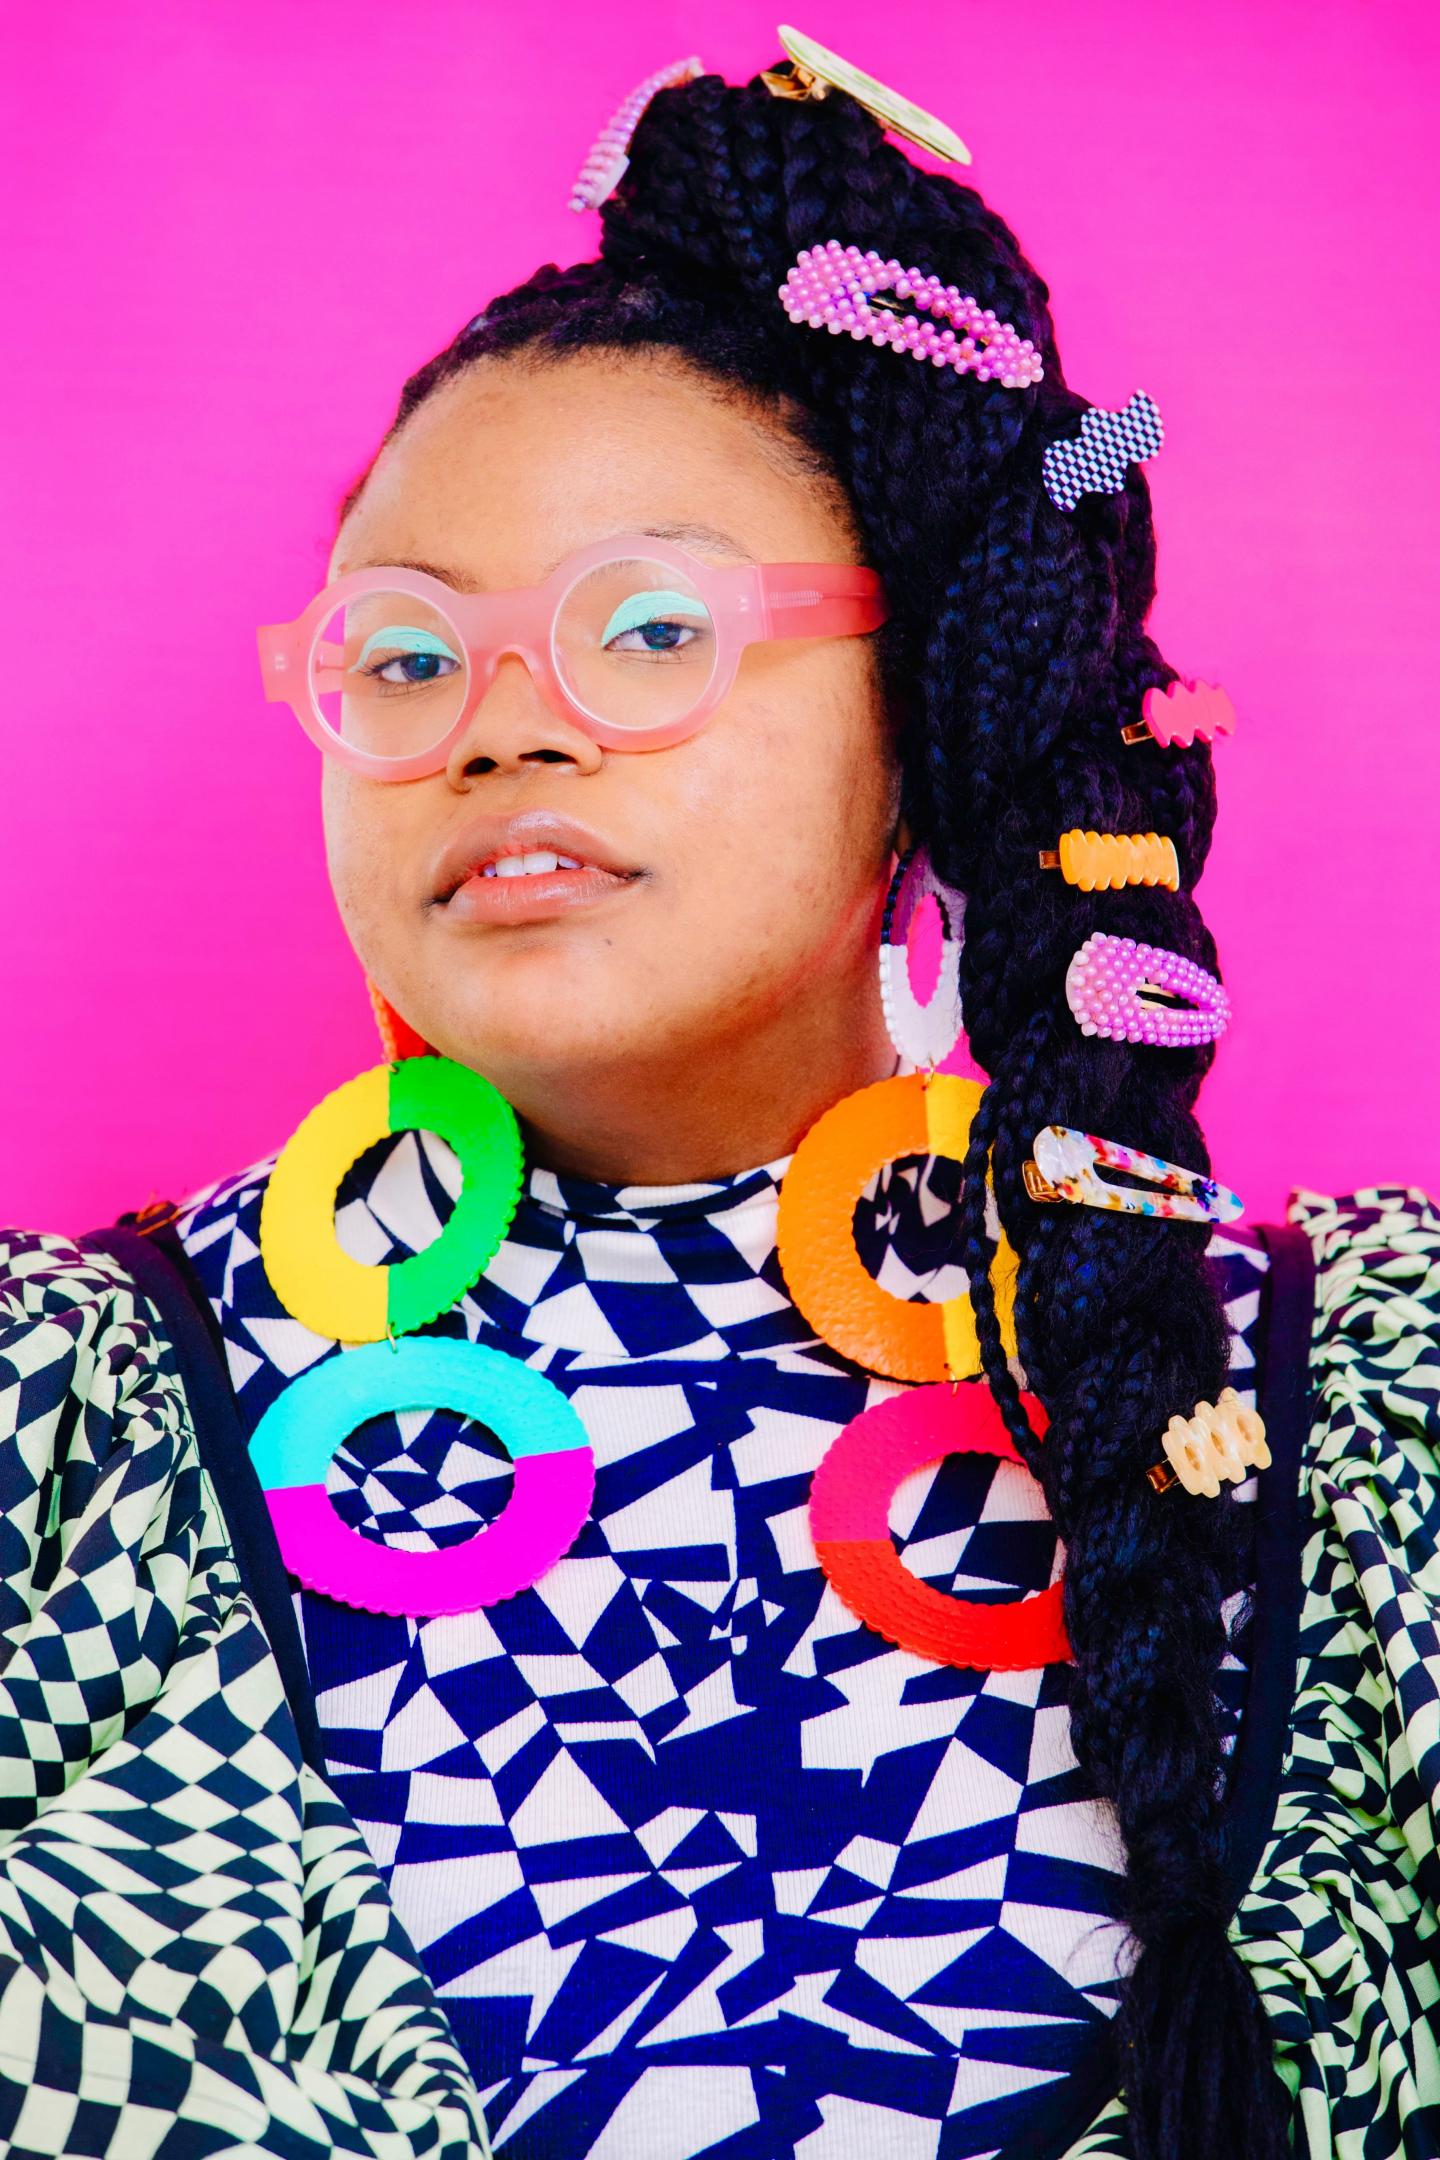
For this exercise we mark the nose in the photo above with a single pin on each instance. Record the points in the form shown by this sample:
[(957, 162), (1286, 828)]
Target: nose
[(513, 725)]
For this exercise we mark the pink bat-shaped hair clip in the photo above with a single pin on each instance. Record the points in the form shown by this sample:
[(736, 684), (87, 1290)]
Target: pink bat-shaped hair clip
[(609, 154), (1182, 713)]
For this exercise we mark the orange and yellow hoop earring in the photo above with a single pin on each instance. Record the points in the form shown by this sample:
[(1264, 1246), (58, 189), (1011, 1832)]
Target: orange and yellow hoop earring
[(919, 1114)]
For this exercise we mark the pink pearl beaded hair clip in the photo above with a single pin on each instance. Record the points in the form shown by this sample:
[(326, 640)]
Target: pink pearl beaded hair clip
[(1111, 981), (836, 288), (609, 154)]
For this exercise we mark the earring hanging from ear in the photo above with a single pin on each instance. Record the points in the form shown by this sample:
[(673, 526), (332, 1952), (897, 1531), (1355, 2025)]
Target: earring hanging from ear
[(397, 1038), (924, 1033)]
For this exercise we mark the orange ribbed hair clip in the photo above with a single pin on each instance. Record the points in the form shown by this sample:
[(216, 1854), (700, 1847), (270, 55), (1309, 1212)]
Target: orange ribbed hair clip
[(1104, 861)]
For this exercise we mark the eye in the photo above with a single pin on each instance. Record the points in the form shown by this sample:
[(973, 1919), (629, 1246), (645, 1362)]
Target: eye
[(644, 620), (422, 650)]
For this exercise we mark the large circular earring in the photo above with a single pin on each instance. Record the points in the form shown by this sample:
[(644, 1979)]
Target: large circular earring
[(925, 1033), (914, 1114), (315, 1279)]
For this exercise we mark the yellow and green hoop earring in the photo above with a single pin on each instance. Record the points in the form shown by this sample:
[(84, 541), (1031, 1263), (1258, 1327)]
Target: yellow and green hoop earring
[(313, 1276)]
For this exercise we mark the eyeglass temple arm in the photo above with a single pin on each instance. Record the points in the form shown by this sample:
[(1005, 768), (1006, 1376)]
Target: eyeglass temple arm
[(838, 601), (282, 660)]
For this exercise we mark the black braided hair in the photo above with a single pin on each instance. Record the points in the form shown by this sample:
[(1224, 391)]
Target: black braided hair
[(1015, 654)]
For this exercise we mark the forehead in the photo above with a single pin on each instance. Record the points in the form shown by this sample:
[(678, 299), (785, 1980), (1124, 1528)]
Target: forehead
[(512, 465)]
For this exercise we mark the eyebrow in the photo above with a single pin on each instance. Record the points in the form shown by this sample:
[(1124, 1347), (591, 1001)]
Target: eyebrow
[(708, 538)]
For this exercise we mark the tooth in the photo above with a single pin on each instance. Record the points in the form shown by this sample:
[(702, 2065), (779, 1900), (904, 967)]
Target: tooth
[(510, 866), (488, 870), (539, 861), (567, 862)]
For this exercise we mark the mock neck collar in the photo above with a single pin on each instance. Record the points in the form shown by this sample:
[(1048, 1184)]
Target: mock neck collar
[(586, 1201), (649, 1207)]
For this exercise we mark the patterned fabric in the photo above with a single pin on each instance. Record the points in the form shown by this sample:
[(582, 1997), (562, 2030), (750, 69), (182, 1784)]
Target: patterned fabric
[(1341, 1925), (698, 1864), (196, 1951)]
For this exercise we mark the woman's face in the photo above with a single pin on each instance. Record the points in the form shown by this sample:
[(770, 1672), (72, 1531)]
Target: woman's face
[(752, 856)]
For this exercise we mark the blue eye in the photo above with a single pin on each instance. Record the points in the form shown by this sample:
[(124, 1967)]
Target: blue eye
[(420, 645), (645, 612)]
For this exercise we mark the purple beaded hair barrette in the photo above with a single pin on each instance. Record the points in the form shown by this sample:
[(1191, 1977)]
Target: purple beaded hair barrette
[(609, 154)]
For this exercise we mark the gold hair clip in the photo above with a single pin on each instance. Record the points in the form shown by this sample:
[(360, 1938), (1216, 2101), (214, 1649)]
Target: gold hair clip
[(1221, 1440), (812, 70)]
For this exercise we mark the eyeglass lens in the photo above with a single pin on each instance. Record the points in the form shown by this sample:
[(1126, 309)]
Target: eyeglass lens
[(632, 642)]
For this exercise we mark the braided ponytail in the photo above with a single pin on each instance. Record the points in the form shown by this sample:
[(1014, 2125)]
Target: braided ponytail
[(1015, 654)]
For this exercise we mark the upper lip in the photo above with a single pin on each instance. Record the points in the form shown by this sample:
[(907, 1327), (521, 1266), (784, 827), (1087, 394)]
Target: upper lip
[(485, 839)]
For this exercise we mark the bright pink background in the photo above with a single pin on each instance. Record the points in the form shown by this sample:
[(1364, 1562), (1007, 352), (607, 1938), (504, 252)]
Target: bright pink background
[(236, 227)]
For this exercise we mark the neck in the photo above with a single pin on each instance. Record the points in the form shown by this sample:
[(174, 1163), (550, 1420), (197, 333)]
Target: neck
[(712, 1112)]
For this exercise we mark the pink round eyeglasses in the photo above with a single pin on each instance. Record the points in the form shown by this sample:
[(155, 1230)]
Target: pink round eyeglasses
[(633, 639)]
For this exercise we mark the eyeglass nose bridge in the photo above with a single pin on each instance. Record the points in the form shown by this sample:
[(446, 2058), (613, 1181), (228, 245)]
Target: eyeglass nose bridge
[(485, 654)]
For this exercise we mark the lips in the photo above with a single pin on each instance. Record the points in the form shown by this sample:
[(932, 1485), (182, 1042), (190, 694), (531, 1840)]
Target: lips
[(535, 896), (494, 840)]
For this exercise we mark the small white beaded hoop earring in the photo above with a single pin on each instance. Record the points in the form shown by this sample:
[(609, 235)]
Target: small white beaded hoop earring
[(925, 1034)]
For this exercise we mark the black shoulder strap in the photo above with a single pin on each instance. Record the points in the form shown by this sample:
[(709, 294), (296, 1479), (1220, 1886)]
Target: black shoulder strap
[(1285, 1399), (157, 1261)]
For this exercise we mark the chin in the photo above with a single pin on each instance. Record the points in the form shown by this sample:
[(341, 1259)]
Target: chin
[(551, 1028)]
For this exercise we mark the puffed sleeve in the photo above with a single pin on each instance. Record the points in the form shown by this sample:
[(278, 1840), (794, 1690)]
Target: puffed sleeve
[(196, 1950), (1340, 1922)]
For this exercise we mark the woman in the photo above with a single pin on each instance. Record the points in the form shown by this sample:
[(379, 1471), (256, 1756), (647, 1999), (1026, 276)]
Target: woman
[(664, 1848)]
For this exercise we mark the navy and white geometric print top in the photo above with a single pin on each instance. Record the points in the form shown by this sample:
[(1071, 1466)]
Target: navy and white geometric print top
[(698, 1864)]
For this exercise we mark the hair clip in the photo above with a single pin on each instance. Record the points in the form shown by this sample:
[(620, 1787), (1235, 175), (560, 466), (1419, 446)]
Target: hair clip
[(813, 71), (1111, 981), (1066, 1166), (609, 154), (1179, 713), (837, 288), (1103, 862), (1095, 461), (1222, 1439)]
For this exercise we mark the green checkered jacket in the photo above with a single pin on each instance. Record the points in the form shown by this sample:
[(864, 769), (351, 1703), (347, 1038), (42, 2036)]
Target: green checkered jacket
[(197, 1953)]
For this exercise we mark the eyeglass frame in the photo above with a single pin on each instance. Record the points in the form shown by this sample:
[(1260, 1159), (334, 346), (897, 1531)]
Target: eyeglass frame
[(748, 604)]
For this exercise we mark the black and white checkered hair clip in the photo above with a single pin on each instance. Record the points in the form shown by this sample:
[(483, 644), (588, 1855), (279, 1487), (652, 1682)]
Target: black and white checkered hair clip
[(1095, 461)]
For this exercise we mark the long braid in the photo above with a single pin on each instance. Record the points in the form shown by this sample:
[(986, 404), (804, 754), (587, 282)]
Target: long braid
[(1015, 654)]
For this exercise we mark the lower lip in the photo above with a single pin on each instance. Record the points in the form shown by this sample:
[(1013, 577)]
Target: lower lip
[(532, 898)]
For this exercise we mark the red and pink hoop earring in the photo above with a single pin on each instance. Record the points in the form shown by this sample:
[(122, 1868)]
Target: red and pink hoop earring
[(925, 1032), (850, 1498)]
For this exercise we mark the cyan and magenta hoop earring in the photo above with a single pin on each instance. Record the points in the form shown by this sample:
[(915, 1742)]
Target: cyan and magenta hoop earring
[(296, 1440)]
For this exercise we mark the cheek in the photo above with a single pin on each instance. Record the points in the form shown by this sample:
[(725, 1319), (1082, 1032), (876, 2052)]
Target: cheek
[(797, 778), (360, 845), (781, 817)]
